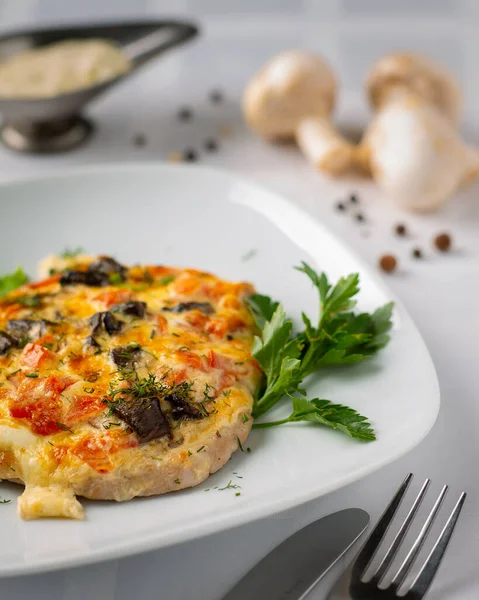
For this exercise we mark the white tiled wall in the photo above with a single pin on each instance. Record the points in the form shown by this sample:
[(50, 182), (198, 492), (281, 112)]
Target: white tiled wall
[(242, 34)]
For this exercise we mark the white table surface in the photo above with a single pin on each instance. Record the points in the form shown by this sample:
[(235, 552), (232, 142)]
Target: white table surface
[(440, 292)]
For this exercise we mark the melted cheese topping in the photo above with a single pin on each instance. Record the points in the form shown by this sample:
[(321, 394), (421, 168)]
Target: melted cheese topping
[(62, 370)]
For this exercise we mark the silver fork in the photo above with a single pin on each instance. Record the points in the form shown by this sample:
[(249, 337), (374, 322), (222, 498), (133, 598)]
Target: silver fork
[(353, 580)]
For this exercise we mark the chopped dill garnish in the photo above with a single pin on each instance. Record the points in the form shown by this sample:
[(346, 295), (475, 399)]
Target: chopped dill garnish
[(166, 279), (240, 445), (249, 255), (110, 424), (62, 426), (230, 486)]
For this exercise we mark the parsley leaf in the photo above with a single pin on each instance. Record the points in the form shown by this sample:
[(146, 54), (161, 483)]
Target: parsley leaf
[(324, 412), (12, 281), (275, 335), (262, 308), (340, 337)]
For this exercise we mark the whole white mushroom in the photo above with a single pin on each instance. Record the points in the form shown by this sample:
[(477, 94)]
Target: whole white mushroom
[(412, 147), (292, 98)]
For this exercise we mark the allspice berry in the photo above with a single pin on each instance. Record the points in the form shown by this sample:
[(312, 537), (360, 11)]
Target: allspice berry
[(443, 242), (388, 263)]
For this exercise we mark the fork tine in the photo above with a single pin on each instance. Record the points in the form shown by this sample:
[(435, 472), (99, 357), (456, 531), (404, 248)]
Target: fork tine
[(421, 538), (401, 534), (371, 546), (428, 570)]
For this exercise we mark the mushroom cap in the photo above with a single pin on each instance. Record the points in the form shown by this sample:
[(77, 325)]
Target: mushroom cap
[(417, 156), (291, 86), (427, 79)]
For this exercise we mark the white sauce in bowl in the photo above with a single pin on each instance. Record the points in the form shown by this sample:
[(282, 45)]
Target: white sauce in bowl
[(61, 68)]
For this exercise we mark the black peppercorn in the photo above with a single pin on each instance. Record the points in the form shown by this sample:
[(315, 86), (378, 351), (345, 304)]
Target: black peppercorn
[(190, 155), (216, 96), (139, 140), (211, 145), (185, 114)]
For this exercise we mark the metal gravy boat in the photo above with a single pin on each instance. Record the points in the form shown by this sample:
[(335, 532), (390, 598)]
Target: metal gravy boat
[(55, 124)]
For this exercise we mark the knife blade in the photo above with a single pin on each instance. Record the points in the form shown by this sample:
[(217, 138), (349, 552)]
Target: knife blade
[(292, 569)]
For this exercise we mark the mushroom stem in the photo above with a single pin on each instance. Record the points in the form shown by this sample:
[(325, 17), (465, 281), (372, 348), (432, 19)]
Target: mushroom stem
[(323, 146), (412, 147)]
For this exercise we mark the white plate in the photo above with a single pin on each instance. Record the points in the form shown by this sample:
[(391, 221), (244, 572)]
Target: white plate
[(210, 220)]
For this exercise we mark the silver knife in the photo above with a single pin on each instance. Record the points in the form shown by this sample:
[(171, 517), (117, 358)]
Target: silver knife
[(295, 567)]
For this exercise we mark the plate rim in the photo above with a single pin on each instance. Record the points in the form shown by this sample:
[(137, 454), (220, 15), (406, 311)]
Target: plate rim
[(246, 514)]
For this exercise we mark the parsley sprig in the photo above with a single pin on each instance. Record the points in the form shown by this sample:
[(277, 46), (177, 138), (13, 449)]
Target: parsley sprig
[(12, 281), (340, 337)]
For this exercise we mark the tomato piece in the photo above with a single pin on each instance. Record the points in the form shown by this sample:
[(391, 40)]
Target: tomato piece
[(221, 325), (82, 408), (212, 359), (35, 355), (228, 366), (176, 377), (95, 452), (161, 324), (46, 340), (217, 327), (196, 319), (10, 310), (191, 359), (186, 285), (160, 271), (227, 381), (113, 297), (38, 401), (235, 322), (216, 289), (44, 282), (43, 416)]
